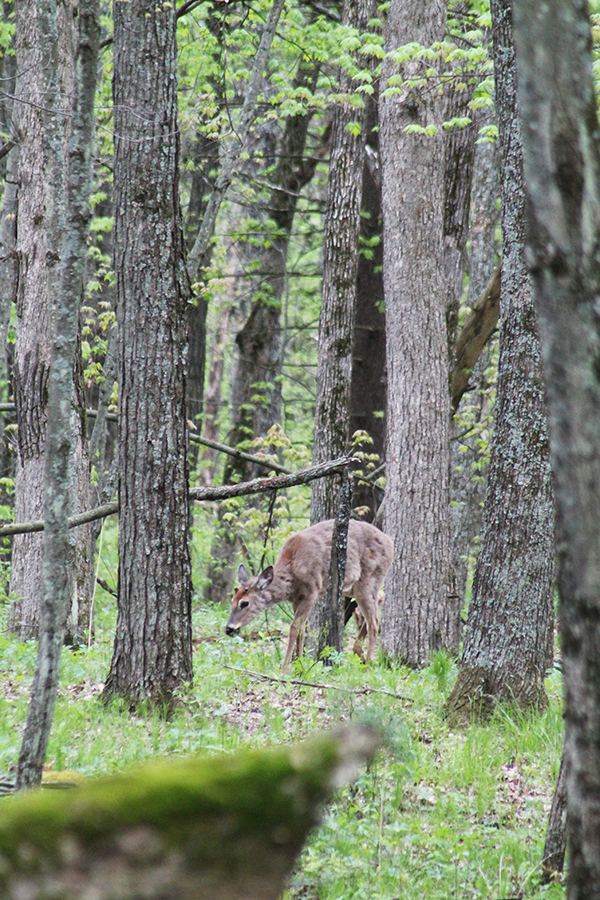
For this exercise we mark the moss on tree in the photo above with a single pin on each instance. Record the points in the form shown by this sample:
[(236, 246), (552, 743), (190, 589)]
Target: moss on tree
[(214, 827)]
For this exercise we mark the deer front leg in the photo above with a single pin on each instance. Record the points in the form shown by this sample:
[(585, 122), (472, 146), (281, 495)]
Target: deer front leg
[(296, 638)]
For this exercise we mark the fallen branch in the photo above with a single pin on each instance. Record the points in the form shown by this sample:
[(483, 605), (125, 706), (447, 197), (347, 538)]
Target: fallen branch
[(314, 684), (258, 486)]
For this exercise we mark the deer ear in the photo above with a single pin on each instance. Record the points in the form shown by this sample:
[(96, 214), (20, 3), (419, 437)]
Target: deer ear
[(242, 574), (265, 578)]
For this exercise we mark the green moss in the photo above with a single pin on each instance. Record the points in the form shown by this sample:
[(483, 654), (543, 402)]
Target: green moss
[(267, 796)]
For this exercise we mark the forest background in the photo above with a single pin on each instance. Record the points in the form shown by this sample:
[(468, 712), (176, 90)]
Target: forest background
[(305, 235)]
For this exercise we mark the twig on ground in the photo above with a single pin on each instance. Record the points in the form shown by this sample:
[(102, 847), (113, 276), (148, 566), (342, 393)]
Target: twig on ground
[(314, 684)]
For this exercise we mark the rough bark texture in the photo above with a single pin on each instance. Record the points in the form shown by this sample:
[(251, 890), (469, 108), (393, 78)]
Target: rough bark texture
[(340, 263), (152, 651), (39, 234), (510, 621), (555, 845), (415, 616), (328, 622), (59, 486), (562, 176)]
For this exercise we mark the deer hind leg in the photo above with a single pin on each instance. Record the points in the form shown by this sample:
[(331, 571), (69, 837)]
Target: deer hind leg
[(370, 610), (362, 631)]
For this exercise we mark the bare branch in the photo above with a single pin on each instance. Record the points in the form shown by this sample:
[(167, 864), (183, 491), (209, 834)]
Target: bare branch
[(474, 335), (258, 486)]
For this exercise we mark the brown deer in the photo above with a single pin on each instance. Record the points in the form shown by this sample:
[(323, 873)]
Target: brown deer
[(300, 575)]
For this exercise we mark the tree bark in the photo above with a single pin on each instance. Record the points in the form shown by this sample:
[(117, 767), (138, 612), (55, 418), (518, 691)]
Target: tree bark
[(340, 264), (511, 614), (471, 357), (39, 235), (562, 177), (555, 845), (328, 623), (58, 546), (152, 653), (368, 387), (416, 611)]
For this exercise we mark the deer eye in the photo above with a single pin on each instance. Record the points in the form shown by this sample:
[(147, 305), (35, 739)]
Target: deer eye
[(243, 604)]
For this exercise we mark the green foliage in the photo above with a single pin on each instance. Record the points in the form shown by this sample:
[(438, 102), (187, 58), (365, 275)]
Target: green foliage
[(439, 814)]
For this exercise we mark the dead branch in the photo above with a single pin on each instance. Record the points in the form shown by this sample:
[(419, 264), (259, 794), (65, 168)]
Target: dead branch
[(474, 335), (258, 486), (315, 684)]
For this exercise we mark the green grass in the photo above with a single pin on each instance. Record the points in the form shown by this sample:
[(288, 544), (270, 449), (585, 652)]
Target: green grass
[(440, 814)]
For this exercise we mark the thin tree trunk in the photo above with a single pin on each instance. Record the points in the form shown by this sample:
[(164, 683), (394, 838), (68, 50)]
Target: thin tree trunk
[(368, 387), (152, 654), (562, 176), (471, 356), (58, 546), (328, 624), (340, 265), (415, 615), (259, 341), (511, 614), (555, 845)]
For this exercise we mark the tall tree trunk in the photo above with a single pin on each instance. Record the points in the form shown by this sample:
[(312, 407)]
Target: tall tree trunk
[(205, 157), (415, 615), (562, 178), (9, 269), (58, 539), (340, 265), (40, 200), (510, 621), (368, 387), (153, 651), (336, 320), (469, 472)]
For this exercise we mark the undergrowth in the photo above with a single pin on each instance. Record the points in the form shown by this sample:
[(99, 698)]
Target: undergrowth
[(440, 814)]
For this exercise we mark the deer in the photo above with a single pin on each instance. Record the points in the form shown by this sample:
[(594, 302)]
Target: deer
[(300, 575)]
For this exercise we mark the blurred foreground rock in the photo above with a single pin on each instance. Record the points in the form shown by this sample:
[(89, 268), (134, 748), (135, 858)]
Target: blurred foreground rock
[(209, 828)]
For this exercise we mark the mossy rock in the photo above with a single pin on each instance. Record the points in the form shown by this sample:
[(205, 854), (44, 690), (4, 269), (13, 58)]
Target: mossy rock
[(207, 828)]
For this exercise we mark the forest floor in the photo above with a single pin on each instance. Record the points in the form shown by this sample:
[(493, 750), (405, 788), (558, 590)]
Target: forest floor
[(440, 814)]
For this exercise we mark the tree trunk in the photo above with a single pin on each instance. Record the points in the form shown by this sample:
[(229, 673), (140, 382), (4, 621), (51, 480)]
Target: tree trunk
[(59, 485), (205, 157), (340, 264), (40, 201), (555, 845), (510, 621), (415, 615), (469, 470), (152, 654), (368, 387), (562, 177)]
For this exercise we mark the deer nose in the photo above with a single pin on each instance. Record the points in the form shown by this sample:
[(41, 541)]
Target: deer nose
[(229, 630)]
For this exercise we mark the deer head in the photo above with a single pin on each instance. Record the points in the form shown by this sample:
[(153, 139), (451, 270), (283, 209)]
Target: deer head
[(251, 597)]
